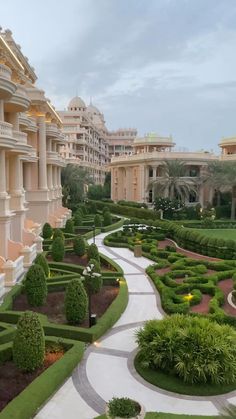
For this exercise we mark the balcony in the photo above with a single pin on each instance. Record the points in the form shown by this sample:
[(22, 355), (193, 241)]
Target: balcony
[(6, 135), (19, 102), (7, 87), (20, 137), (228, 157), (54, 158), (53, 132)]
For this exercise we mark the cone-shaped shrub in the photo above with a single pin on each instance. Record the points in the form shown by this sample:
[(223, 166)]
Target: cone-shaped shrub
[(78, 219), (58, 249), (47, 231), (58, 233), (92, 252), (35, 286), (69, 227), (42, 261), (107, 219), (29, 343), (76, 301), (79, 246), (97, 220)]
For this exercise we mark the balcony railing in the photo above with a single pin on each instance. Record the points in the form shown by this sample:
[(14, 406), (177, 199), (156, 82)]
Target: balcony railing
[(5, 130), (21, 137), (5, 72)]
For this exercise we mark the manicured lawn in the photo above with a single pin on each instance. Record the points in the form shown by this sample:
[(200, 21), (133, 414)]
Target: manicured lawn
[(154, 415), (226, 233), (176, 385)]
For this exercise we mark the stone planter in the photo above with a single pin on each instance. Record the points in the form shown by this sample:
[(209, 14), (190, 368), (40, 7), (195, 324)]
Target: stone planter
[(141, 414), (137, 250)]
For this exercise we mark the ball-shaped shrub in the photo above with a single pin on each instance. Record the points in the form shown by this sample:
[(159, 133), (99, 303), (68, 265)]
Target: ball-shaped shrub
[(42, 261), (29, 342), (35, 286), (93, 283), (69, 227), (47, 231), (123, 407), (79, 246), (76, 302), (197, 350), (58, 249), (97, 220), (92, 252), (58, 233), (107, 219)]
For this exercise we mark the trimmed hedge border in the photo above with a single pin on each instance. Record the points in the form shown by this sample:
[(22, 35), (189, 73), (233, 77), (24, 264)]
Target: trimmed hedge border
[(28, 402), (146, 214)]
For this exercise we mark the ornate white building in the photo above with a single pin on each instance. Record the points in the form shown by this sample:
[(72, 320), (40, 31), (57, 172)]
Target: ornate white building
[(30, 163)]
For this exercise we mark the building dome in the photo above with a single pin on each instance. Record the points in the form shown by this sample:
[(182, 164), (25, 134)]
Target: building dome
[(93, 110), (76, 104)]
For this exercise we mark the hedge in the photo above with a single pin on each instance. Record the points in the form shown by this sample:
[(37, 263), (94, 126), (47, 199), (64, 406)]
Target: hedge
[(128, 211), (27, 403)]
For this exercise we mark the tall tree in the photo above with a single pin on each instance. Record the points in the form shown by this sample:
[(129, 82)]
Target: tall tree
[(174, 181), (74, 180)]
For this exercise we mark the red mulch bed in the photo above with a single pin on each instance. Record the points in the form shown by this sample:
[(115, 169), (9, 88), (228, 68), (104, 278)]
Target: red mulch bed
[(163, 271), (179, 280), (210, 272), (54, 305), (203, 306), (13, 381), (226, 285), (82, 261)]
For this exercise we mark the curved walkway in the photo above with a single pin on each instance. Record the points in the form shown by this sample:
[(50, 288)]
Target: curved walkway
[(107, 368)]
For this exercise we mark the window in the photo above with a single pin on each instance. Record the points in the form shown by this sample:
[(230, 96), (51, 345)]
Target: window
[(150, 172)]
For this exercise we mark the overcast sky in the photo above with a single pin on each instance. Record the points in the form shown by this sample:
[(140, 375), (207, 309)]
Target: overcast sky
[(165, 66)]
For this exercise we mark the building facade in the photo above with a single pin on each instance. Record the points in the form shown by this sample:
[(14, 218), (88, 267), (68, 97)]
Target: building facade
[(133, 177), (121, 141), (30, 163), (86, 138)]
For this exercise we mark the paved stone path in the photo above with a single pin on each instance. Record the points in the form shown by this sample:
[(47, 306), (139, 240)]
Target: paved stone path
[(107, 367)]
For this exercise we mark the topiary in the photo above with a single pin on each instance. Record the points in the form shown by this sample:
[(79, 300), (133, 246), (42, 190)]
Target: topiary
[(58, 233), (93, 283), (97, 220), (42, 261), (47, 231), (58, 249), (29, 342), (107, 219), (35, 286), (78, 219), (79, 246), (76, 301), (69, 227), (123, 407), (92, 252)]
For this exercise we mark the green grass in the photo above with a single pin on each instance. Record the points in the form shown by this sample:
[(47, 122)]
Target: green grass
[(176, 385), (224, 233), (154, 415)]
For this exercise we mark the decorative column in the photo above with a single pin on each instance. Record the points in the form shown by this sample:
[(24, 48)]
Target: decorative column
[(1, 110), (27, 176), (42, 153), (154, 176), (129, 186), (4, 208), (17, 197)]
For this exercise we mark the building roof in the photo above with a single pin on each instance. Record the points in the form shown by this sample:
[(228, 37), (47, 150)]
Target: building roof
[(93, 109), (76, 102)]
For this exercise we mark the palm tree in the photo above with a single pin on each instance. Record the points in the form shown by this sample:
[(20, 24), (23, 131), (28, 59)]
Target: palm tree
[(174, 181), (215, 178), (74, 180)]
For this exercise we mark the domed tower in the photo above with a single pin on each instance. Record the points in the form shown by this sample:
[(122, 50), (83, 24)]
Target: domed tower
[(228, 148), (76, 104)]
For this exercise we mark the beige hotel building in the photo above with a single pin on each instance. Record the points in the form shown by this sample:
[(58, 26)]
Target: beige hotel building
[(30, 163)]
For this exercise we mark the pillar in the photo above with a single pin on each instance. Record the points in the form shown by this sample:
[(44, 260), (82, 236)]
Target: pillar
[(3, 192), (42, 153), (15, 172), (129, 184), (1, 111), (27, 176), (14, 120)]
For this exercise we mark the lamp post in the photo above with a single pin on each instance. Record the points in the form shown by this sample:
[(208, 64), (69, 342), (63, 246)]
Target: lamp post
[(89, 274), (94, 227)]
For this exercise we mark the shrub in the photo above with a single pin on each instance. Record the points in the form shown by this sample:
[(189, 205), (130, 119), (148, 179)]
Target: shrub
[(97, 220), (92, 252), (78, 219), (29, 343), (76, 302), (35, 286), (58, 233), (69, 227), (58, 249), (94, 283), (123, 407), (107, 219), (79, 246), (47, 231), (42, 261), (195, 349)]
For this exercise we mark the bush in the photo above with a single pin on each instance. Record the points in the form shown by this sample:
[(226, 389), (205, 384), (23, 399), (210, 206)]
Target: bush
[(35, 286), (47, 231), (94, 284), (42, 261), (92, 252), (107, 219), (78, 219), (69, 227), (123, 407), (58, 233), (76, 302), (29, 343), (97, 220), (58, 249), (193, 348), (79, 246)]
